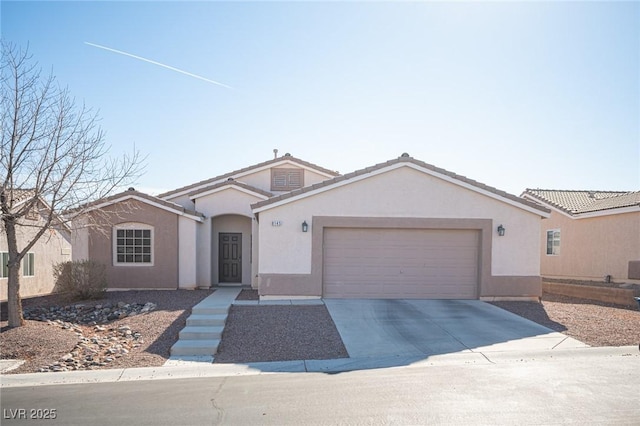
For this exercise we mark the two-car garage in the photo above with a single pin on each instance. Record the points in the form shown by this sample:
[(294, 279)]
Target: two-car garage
[(391, 263), (399, 230)]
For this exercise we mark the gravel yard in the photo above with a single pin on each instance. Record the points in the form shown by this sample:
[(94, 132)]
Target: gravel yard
[(279, 333), (276, 333), (594, 323), (41, 344)]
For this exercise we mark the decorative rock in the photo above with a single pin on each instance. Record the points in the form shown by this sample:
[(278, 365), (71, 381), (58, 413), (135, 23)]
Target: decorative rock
[(82, 314), (103, 347)]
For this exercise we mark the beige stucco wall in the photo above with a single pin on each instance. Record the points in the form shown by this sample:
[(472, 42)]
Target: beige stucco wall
[(227, 201), (52, 248), (591, 248), (164, 272), (183, 200), (403, 192)]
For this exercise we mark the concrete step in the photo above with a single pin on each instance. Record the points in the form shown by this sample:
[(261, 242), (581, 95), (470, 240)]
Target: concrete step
[(199, 332), (195, 347), (213, 319), (209, 310)]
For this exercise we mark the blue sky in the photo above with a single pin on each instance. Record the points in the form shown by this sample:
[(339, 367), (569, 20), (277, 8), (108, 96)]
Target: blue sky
[(514, 95)]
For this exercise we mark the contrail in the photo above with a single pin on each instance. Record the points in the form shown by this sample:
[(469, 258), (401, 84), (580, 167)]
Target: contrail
[(159, 64)]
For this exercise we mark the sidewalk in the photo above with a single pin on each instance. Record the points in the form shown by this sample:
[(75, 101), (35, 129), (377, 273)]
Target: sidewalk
[(195, 370)]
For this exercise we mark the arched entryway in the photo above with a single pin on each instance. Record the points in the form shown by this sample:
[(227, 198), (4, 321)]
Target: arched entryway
[(231, 250)]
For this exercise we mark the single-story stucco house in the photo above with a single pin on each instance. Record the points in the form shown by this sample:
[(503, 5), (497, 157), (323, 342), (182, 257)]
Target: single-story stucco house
[(292, 229), (590, 235)]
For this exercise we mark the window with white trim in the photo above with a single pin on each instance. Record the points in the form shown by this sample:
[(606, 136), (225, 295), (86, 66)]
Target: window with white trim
[(4, 268), (28, 265), (286, 179), (553, 242), (133, 244)]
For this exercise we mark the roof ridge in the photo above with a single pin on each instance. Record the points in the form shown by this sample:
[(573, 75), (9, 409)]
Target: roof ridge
[(245, 169)]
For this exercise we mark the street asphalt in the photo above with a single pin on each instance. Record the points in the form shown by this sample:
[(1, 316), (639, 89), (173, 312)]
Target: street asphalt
[(565, 386)]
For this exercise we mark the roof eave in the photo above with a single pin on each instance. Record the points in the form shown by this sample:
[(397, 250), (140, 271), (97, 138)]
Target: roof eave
[(178, 210), (394, 164)]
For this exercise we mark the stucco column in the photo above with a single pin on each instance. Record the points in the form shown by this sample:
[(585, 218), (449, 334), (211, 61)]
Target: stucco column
[(187, 262), (203, 254), (254, 253)]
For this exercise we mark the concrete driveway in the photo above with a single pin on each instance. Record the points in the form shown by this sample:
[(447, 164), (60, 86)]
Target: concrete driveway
[(382, 328)]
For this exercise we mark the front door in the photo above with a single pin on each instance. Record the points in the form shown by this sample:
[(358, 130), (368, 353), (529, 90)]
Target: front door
[(230, 258)]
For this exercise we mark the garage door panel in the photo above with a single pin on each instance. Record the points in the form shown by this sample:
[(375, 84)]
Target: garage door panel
[(400, 263)]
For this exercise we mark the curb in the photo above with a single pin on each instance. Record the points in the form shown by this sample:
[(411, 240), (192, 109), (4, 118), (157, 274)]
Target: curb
[(341, 365)]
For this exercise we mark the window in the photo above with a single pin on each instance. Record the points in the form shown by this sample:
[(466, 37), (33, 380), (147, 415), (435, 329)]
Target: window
[(286, 179), (4, 269), (28, 263), (133, 244), (553, 242)]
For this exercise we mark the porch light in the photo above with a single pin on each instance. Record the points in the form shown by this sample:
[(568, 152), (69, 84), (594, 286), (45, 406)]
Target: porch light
[(501, 230), (305, 226)]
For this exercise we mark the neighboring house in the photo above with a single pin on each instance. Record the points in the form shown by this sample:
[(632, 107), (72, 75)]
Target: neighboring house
[(591, 235), (400, 229), (36, 269)]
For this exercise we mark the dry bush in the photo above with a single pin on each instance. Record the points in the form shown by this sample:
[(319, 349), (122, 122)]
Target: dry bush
[(81, 279)]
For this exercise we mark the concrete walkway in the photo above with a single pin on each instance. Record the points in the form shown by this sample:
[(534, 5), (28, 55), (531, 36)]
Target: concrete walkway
[(199, 340)]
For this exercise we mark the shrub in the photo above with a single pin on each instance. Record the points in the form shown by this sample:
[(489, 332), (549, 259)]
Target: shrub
[(81, 279)]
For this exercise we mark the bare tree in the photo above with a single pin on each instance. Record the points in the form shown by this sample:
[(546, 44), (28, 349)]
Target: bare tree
[(53, 158)]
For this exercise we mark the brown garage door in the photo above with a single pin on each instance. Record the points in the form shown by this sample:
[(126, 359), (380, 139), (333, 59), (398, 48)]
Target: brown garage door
[(400, 263)]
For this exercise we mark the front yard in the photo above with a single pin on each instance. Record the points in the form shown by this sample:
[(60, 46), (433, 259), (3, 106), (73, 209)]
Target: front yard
[(43, 344), (144, 340)]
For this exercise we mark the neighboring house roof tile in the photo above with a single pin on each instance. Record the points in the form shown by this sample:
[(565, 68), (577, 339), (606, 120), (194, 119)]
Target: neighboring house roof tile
[(132, 193), (20, 195), (288, 157), (577, 202), (403, 159), (229, 182)]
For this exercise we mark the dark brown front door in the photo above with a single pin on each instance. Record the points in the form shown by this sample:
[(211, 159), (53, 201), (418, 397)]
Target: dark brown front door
[(230, 258)]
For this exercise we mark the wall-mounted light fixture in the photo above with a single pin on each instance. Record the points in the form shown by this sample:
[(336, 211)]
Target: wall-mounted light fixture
[(501, 230), (305, 226)]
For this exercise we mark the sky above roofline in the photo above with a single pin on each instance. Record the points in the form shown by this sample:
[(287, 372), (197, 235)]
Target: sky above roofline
[(514, 95)]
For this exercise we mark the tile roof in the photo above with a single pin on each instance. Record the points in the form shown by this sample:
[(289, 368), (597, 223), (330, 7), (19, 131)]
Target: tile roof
[(133, 193), (20, 195), (402, 159), (246, 169), (577, 202), (232, 182)]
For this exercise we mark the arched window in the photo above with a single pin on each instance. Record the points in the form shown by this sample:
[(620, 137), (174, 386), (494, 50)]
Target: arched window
[(133, 244)]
